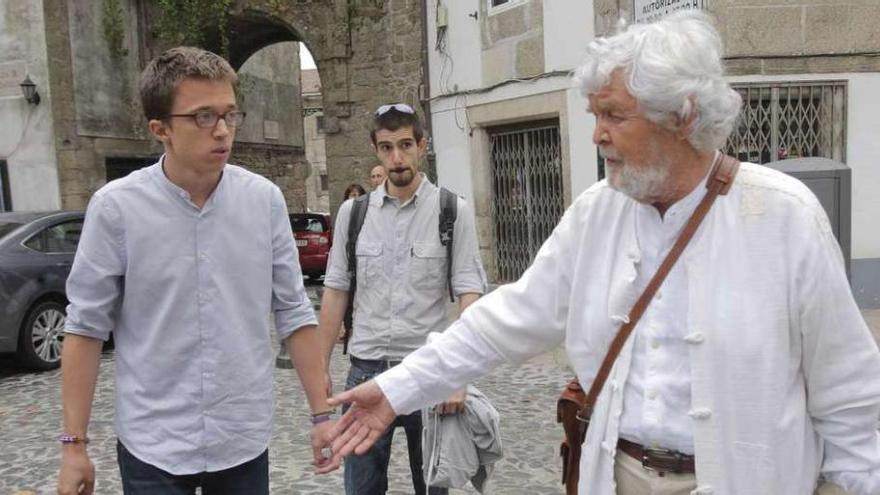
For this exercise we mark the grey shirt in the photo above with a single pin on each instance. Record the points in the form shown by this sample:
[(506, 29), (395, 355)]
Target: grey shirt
[(401, 270), (187, 293)]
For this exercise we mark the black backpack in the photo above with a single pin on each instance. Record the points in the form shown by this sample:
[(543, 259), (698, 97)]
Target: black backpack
[(448, 214)]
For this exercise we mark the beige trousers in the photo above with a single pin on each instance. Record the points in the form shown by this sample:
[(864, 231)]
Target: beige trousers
[(633, 479)]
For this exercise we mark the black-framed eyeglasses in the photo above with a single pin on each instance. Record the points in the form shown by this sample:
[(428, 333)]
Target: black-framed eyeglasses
[(400, 107), (207, 119)]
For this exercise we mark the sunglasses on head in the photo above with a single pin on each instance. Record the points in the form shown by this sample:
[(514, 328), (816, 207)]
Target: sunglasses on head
[(400, 107)]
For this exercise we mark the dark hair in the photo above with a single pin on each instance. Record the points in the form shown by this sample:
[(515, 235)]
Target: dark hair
[(162, 75), (353, 188), (393, 120)]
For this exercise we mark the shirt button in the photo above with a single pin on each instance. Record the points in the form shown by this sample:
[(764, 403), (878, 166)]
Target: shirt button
[(655, 344), (659, 296), (694, 338), (652, 394), (700, 413)]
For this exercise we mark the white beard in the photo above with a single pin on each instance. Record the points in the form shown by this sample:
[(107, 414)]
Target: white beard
[(645, 184)]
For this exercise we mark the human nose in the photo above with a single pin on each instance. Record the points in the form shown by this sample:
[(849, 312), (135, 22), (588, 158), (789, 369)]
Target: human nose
[(600, 134), (221, 129), (396, 154)]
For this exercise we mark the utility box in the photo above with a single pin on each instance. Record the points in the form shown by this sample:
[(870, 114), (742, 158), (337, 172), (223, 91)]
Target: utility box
[(831, 182)]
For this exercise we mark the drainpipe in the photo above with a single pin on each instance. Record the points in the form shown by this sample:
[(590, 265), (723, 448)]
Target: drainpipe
[(425, 96)]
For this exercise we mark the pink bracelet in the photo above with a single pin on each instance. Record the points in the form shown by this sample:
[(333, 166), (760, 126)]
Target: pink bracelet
[(68, 438)]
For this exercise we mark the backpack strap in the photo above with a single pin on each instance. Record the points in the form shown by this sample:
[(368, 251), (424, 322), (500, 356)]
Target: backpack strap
[(448, 214), (355, 223)]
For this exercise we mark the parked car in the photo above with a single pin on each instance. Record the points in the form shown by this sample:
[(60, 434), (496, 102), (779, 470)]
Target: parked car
[(36, 252), (314, 237)]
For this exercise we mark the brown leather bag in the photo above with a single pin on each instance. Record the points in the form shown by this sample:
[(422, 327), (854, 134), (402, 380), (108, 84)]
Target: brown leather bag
[(574, 408)]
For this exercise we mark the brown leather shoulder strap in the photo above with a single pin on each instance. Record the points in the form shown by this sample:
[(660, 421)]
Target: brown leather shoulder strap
[(721, 179)]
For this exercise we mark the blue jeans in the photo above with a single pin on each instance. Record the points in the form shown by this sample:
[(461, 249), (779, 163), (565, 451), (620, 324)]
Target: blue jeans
[(367, 474), (140, 478)]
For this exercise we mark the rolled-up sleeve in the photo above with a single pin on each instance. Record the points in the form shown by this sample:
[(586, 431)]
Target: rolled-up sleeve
[(468, 275), (94, 286), (336, 275), (290, 303)]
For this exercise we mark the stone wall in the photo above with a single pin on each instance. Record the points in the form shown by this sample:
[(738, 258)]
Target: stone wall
[(512, 41), (26, 143), (97, 110), (784, 36)]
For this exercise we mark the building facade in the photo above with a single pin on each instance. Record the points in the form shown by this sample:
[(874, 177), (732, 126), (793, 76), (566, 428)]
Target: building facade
[(514, 136)]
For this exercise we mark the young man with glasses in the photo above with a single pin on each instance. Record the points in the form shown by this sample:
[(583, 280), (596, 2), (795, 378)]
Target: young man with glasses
[(401, 290), (182, 261)]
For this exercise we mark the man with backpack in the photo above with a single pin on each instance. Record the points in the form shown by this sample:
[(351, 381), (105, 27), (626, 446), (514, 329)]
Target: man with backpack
[(397, 254)]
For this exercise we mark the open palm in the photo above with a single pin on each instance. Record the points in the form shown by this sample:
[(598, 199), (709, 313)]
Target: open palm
[(365, 421)]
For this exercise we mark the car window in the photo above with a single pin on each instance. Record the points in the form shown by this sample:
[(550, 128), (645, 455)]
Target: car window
[(7, 227), (59, 238), (307, 224)]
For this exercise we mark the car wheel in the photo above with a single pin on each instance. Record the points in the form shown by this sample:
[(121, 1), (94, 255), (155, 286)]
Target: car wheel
[(42, 336)]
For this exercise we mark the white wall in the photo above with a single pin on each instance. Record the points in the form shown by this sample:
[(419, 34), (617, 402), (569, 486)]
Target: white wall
[(458, 67), (26, 140), (862, 152), (568, 28)]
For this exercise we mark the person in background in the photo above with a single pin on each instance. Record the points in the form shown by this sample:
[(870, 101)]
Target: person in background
[(353, 191), (401, 292), (377, 176)]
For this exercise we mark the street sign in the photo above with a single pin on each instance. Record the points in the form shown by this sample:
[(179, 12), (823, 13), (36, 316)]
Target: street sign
[(652, 10)]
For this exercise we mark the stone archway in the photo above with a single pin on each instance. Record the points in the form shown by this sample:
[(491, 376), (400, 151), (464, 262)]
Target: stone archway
[(368, 52)]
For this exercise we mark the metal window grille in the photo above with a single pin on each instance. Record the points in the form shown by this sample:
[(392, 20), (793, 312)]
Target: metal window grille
[(527, 195), (788, 120)]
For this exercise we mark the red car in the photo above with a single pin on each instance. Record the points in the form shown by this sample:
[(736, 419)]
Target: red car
[(313, 239)]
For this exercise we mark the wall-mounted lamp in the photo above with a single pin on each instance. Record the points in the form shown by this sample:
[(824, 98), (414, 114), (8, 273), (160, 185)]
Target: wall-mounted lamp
[(30, 91)]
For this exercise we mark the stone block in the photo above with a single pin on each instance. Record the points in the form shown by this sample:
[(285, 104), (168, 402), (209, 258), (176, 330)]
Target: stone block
[(507, 24), (530, 57), (863, 28), (497, 64), (536, 15), (827, 29), (755, 31)]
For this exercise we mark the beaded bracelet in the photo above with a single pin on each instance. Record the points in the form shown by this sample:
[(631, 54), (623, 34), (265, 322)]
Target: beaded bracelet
[(320, 417), (316, 420), (68, 438)]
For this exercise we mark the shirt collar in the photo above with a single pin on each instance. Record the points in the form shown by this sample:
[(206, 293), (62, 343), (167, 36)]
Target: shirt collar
[(158, 173), (381, 193)]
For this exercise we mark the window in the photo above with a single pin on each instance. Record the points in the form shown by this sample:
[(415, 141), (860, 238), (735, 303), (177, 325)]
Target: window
[(319, 123), (120, 167), (59, 238), (5, 195), (789, 120), (325, 182), (496, 6)]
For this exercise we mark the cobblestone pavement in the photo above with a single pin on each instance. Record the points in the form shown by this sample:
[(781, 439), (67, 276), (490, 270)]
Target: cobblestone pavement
[(30, 420)]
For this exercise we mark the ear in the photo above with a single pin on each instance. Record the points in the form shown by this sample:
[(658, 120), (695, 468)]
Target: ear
[(685, 125), (159, 130), (423, 145)]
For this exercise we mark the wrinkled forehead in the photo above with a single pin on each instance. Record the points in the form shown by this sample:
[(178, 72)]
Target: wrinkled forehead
[(614, 95)]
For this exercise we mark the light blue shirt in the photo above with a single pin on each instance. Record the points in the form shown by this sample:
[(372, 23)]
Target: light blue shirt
[(401, 291), (187, 293)]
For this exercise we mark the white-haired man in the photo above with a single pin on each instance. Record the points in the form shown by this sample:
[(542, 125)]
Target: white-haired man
[(752, 361)]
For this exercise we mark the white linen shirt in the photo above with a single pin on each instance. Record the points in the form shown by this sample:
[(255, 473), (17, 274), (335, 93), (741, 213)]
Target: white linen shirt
[(784, 372), (187, 293), (657, 394)]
